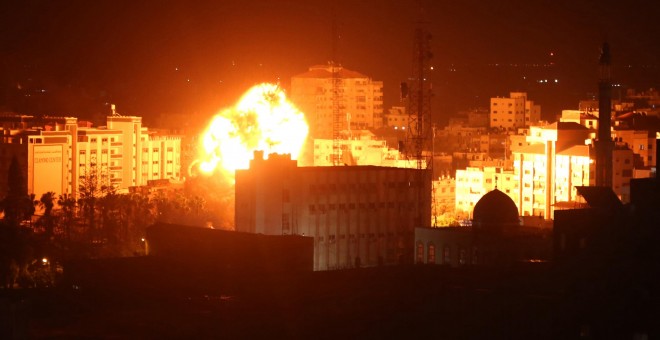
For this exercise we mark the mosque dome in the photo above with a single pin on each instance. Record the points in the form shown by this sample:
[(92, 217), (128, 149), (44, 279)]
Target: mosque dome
[(495, 208)]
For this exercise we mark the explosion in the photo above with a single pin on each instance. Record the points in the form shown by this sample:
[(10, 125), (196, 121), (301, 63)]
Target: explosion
[(263, 119)]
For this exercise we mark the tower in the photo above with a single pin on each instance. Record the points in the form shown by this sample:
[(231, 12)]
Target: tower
[(418, 95), (604, 144), (419, 102)]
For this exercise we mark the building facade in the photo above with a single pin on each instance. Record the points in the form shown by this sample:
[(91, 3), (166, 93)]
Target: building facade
[(57, 156), (361, 99), (513, 112), (359, 216), (472, 183)]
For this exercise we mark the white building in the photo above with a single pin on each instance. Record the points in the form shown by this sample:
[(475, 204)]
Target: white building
[(61, 153), (359, 216)]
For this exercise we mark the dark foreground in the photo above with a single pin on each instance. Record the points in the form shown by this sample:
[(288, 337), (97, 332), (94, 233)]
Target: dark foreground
[(146, 298)]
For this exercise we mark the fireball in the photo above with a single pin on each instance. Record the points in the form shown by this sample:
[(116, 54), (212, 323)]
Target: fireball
[(263, 119)]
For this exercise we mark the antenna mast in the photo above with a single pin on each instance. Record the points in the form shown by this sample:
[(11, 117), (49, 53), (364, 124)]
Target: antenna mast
[(419, 102), (419, 131)]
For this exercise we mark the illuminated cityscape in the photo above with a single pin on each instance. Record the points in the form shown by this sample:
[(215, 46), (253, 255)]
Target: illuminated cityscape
[(312, 169)]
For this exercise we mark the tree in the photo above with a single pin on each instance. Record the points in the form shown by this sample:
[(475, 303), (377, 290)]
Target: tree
[(92, 185), (68, 205), (47, 202), (17, 205)]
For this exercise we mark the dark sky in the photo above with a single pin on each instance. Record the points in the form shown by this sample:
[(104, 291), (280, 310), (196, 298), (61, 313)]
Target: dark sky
[(128, 52)]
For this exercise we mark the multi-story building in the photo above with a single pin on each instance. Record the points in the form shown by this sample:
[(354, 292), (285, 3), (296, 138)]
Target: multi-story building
[(474, 182), (549, 174), (360, 149), (513, 112), (444, 200), (586, 119), (361, 99), (397, 118), (358, 215), (641, 143), (55, 157)]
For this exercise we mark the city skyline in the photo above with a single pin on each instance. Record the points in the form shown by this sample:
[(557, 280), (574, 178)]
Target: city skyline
[(197, 58)]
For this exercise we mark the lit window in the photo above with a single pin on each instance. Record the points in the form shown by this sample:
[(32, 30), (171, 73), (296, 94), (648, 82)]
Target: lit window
[(431, 254), (420, 252)]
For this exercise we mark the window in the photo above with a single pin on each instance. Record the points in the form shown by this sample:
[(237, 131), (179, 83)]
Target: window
[(420, 252), (431, 254), (446, 255), (641, 146)]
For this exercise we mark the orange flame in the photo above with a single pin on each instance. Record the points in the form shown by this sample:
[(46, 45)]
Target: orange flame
[(262, 120)]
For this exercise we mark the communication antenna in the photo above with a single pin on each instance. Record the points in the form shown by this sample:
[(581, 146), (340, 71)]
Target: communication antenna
[(418, 138), (419, 101)]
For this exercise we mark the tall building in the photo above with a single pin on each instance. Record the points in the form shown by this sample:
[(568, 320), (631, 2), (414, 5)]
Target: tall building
[(58, 155), (513, 112), (359, 216), (362, 99)]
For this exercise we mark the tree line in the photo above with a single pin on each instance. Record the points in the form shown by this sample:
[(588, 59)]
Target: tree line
[(38, 234)]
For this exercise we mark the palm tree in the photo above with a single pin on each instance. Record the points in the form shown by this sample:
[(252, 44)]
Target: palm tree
[(47, 202)]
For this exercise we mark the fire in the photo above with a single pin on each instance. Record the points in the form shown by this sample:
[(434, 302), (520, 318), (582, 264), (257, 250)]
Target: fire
[(263, 119)]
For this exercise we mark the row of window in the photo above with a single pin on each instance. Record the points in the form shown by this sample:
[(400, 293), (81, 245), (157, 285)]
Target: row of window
[(322, 208), (371, 236), (446, 254), (323, 188)]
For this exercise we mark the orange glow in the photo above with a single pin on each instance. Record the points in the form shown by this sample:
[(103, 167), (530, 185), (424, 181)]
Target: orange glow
[(263, 119)]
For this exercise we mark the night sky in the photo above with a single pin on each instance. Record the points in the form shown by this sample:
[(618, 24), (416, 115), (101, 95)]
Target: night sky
[(73, 57)]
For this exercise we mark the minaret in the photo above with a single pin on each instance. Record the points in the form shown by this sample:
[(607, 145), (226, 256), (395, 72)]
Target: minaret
[(604, 144)]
